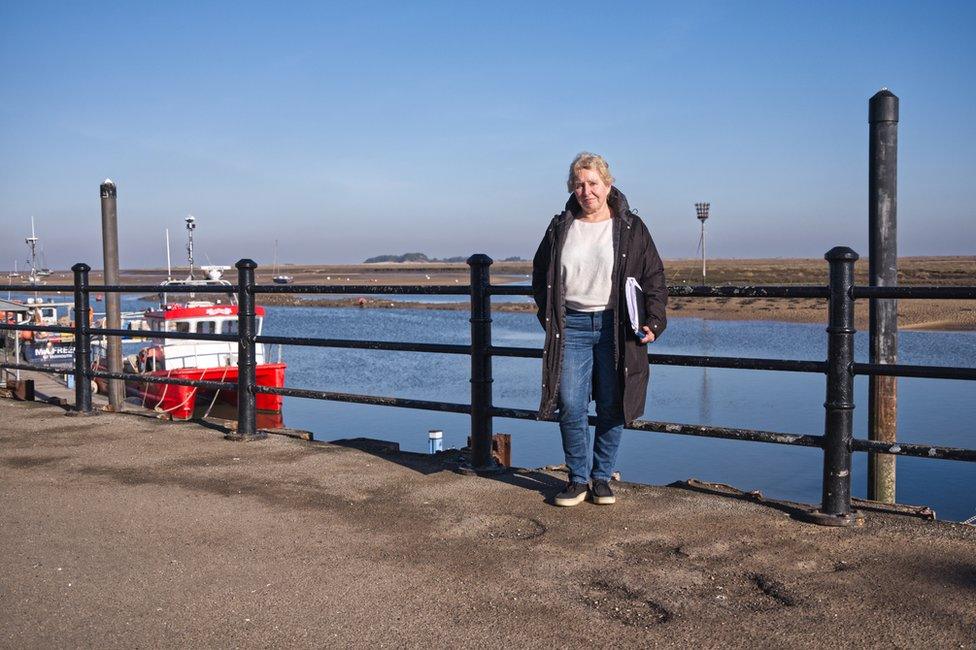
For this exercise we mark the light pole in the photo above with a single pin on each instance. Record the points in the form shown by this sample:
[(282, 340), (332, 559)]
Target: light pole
[(702, 210)]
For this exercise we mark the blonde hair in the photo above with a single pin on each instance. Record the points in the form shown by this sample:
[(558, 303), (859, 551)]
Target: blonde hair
[(592, 161)]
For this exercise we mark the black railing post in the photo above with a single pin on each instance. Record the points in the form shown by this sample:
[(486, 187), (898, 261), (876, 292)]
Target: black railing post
[(83, 392), (246, 357), (481, 380), (835, 509)]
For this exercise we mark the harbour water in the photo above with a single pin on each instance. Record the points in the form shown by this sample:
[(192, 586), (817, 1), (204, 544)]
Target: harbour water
[(930, 411)]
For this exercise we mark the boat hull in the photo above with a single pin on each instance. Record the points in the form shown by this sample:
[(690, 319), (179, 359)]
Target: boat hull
[(183, 402)]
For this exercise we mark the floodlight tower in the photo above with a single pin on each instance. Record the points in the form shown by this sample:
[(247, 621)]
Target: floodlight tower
[(191, 223), (702, 210)]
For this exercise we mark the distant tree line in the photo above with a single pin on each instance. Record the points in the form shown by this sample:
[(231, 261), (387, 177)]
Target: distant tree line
[(420, 257)]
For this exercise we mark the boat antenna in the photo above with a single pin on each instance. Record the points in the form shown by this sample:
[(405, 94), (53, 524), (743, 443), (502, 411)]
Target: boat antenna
[(169, 267), (191, 223)]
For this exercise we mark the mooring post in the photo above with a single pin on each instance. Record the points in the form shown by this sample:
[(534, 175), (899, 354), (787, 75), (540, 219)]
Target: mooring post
[(835, 508), (246, 361), (113, 315), (83, 393), (481, 380), (883, 272)]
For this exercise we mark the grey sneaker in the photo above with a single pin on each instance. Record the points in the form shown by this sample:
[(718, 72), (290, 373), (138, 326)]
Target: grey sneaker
[(572, 494), (601, 493)]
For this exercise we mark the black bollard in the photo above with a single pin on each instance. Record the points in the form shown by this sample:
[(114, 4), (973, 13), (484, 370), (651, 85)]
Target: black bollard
[(246, 358), (481, 380), (113, 312), (83, 392), (883, 272)]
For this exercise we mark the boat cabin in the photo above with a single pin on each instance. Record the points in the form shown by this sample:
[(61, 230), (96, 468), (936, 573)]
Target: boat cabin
[(194, 318), (205, 318)]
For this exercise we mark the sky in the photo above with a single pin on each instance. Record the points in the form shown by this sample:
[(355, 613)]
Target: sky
[(346, 130)]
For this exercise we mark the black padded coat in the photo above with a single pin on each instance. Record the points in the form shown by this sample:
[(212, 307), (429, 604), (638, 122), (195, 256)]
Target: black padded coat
[(634, 256)]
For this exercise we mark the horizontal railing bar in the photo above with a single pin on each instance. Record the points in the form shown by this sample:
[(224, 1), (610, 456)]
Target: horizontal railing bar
[(777, 291), (439, 348), (932, 293), (517, 352), (509, 290), (364, 289), (41, 288), (919, 451), (729, 433), (60, 329), (153, 334), (685, 291), (374, 400), (152, 379), (739, 363), (27, 366), (155, 288), (518, 414), (902, 370), (688, 429)]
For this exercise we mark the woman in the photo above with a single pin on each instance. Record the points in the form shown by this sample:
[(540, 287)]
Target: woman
[(578, 278)]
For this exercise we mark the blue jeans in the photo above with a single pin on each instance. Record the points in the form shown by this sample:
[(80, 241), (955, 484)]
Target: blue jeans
[(588, 369)]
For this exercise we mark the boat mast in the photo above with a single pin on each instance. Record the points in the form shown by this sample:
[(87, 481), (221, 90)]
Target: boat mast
[(32, 245), (190, 225)]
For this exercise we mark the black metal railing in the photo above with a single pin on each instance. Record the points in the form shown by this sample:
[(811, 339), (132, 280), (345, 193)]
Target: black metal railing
[(840, 368)]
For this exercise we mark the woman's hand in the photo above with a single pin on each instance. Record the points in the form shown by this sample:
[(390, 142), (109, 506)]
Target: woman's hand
[(649, 337)]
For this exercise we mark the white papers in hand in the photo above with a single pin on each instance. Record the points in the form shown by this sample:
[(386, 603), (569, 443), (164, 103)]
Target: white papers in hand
[(635, 304)]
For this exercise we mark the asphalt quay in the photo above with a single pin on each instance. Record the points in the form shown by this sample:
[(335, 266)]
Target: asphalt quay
[(121, 530)]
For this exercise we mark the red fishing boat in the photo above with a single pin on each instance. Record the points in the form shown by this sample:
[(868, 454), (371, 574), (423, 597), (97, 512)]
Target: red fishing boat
[(195, 359)]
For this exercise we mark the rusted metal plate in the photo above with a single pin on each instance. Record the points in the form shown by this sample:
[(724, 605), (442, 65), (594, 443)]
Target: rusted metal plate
[(501, 448), (22, 389)]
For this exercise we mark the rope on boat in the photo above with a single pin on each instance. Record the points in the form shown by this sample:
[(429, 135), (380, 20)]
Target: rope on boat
[(165, 390), (216, 393), (192, 393)]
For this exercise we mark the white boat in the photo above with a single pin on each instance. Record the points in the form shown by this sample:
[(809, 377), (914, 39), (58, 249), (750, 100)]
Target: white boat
[(279, 278)]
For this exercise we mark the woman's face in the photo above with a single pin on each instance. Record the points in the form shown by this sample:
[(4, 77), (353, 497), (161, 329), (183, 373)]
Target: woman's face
[(591, 191)]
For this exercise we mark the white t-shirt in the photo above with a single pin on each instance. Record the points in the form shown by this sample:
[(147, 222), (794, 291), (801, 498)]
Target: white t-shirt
[(587, 265)]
